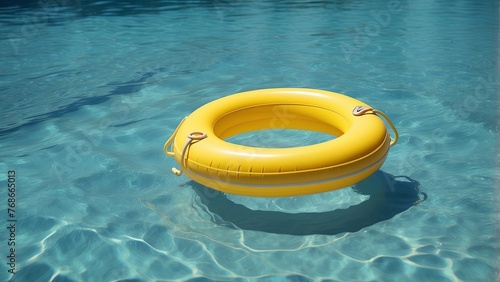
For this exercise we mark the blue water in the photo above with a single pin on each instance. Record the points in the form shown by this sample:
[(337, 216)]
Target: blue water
[(92, 89)]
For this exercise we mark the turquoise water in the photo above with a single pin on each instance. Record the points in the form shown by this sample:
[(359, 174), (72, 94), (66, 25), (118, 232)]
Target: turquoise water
[(92, 89)]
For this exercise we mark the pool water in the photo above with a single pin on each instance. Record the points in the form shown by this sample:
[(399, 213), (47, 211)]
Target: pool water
[(92, 89)]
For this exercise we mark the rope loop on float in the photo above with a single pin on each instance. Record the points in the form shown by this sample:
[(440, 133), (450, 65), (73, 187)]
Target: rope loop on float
[(193, 136), (360, 110)]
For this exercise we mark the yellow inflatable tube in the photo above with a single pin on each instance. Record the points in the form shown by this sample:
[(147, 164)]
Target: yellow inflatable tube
[(361, 145)]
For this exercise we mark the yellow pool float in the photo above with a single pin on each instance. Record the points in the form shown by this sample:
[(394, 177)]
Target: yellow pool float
[(361, 145)]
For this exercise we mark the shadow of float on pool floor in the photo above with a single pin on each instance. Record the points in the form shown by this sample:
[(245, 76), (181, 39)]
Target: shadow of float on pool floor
[(389, 196)]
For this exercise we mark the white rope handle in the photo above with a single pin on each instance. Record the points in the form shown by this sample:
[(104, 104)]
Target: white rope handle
[(193, 136)]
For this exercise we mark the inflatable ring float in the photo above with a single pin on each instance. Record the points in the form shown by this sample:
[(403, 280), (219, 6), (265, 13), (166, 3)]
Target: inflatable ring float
[(359, 145)]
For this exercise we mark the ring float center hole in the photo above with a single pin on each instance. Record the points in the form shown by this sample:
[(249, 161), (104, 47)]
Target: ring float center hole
[(280, 138), (280, 126)]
